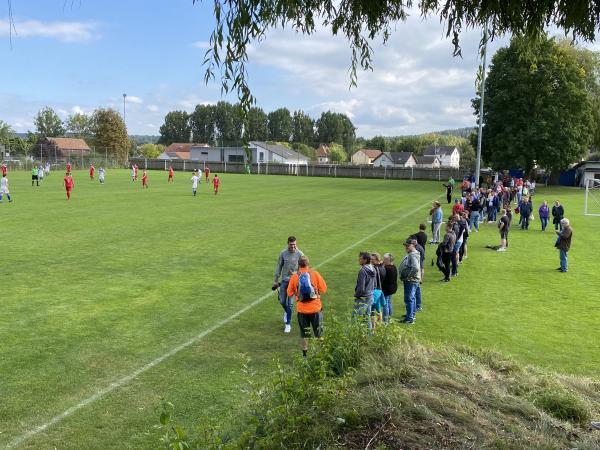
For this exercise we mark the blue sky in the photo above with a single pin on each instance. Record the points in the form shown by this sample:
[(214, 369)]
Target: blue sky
[(77, 55)]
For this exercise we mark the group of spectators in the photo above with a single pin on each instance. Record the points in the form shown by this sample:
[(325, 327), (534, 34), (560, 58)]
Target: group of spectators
[(377, 279)]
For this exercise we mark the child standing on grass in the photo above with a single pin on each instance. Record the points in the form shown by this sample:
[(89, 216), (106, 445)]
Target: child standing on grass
[(144, 179), (170, 180), (216, 183), (4, 188), (68, 184), (195, 180)]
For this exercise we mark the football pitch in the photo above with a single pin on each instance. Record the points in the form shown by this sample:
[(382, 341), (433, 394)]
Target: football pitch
[(123, 296)]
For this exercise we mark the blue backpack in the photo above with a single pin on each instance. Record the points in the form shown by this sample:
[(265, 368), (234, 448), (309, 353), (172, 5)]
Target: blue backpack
[(306, 291)]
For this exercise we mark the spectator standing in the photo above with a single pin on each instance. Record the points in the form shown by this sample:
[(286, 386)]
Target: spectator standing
[(363, 292), (378, 296), (449, 188), (558, 213), (389, 285), (307, 286), (421, 236), (563, 243), (421, 250), (503, 228), (410, 274), (474, 217), (544, 213), (436, 214), (447, 247), (287, 265), (526, 209)]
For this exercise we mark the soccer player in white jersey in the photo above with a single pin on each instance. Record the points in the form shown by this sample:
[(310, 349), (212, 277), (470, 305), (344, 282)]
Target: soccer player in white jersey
[(4, 189), (195, 180)]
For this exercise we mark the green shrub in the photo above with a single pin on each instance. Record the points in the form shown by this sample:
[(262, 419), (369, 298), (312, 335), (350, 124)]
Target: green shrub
[(563, 405)]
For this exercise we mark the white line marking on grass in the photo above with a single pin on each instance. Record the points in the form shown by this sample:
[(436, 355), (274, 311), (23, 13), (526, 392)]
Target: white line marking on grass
[(126, 379)]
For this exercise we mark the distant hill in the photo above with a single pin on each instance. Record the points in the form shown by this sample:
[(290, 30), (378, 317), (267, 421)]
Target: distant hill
[(139, 139), (462, 132)]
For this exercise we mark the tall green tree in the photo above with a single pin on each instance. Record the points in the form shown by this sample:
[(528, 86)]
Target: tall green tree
[(303, 128), (48, 124), (110, 133), (229, 123), (280, 125), (336, 127), (151, 151), (79, 125), (202, 121), (337, 153), (537, 107), (6, 132), (176, 128), (257, 125)]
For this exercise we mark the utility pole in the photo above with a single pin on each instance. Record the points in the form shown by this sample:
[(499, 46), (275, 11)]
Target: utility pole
[(124, 117), (482, 96)]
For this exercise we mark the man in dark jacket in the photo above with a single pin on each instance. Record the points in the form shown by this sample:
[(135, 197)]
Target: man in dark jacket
[(564, 243), (526, 208), (365, 285), (558, 212), (389, 285), (447, 250)]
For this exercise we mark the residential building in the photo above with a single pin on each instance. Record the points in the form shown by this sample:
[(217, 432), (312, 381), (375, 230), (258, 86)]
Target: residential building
[(365, 157), (62, 148), (179, 150), (449, 155), (428, 162), (395, 159), (323, 154), (262, 152)]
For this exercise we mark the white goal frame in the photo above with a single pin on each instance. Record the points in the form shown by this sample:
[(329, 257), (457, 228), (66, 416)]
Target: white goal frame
[(591, 185)]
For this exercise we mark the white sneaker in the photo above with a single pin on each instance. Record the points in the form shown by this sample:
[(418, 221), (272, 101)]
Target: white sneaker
[(288, 328), (284, 317), (501, 249)]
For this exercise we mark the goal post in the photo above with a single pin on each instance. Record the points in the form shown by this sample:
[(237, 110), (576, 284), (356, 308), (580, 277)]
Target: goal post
[(592, 197)]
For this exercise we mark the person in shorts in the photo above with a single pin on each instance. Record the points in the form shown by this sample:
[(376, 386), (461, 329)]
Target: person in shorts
[(306, 286), (503, 228)]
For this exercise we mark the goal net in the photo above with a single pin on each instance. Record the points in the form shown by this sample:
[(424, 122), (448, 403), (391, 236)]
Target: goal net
[(592, 198)]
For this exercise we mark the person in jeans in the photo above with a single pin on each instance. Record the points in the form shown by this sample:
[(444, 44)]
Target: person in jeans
[(421, 250), (474, 217), (544, 213), (410, 274), (563, 243), (436, 214), (389, 285), (363, 292), (447, 249), (287, 265), (378, 296), (310, 310), (526, 209), (558, 212), (459, 227)]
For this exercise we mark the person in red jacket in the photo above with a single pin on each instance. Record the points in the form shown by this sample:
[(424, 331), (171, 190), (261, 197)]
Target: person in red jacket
[(458, 207), (170, 180), (4, 170), (307, 291), (69, 168), (206, 174), (145, 179), (216, 182), (92, 170), (68, 184)]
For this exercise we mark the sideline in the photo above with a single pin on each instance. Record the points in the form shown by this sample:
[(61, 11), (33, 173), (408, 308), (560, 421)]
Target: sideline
[(126, 379)]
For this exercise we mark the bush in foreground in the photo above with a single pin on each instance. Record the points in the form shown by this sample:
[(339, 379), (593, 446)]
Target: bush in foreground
[(388, 391)]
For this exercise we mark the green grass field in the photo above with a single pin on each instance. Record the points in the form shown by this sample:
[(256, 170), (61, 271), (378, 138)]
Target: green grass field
[(96, 288)]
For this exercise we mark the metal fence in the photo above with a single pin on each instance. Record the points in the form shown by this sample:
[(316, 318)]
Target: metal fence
[(311, 170), (77, 162)]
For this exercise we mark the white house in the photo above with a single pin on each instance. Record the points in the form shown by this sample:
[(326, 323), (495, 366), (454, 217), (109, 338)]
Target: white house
[(428, 162), (395, 159), (449, 156), (587, 170), (262, 152)]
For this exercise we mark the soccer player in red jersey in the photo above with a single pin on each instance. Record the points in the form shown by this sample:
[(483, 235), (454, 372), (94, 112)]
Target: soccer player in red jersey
[(145, 179), (92, 170), (170, 174), (69, 184), (216, 183), (135, 172), (206, 174), (68, 168), (4, 170)]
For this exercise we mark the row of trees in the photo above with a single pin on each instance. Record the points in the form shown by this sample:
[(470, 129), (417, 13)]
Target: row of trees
[(224, 124), (104, 129)]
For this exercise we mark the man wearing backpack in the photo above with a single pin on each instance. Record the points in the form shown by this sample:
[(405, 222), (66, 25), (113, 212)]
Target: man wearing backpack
[(307, 286), (287, 265)]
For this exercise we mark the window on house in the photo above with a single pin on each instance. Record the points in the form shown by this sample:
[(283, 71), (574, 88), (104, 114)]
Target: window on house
[(236, 158), (261, 156)]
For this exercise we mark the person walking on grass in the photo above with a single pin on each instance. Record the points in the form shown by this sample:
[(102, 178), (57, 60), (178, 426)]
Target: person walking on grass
[(69, 167), (410, 274), (526, 208), (4, 188), (474, 216), (195, 180), (216, 182), (307, 286), (437, 215), (101, 174), (34, 176), (447, 248), (389, 285), (92, 170), (363, 291), (464, 224), (544, 213), (145, 180), (69, 183), (558, 212), (40, 173), (287, 265), (449, 188), (170, 180), (563, 243), (503, 228)]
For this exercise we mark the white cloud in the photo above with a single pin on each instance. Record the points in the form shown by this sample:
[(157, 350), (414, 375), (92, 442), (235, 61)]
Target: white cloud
[(153, 108), (204, 45), (134, 99), (189, 103), (62, 31)]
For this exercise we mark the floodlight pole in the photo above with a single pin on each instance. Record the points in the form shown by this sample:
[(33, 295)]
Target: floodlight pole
[(481, 96)]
